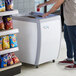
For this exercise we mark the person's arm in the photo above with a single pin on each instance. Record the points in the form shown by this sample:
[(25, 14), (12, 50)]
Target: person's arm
[(54, 8), (46, 3)]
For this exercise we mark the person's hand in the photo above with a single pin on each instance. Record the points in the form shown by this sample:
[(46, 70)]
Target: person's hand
[(46, 14), (40, 5)]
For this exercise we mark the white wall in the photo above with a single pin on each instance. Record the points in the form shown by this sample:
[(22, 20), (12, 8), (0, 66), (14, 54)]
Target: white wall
[(38, 2), (26, 6)]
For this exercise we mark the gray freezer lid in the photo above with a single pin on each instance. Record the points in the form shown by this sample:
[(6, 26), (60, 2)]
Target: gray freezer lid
[(33, 17)]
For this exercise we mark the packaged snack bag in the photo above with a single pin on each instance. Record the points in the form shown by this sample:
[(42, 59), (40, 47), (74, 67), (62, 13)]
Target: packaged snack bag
[(0, 43), (9, 60), (2, 5), (13, 41), (3, 61), (0, 62), (15, 58), (5, 41), (8, 22), (9, 5), (1, 24)]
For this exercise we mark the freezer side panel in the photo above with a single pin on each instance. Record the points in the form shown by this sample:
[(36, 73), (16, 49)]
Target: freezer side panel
[(27, 39), (50, 40)]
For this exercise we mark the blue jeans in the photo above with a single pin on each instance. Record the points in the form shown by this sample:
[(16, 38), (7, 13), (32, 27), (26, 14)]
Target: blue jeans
[(70, 38)]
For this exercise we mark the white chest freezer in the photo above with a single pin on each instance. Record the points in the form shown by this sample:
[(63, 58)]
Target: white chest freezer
[(39, 38)]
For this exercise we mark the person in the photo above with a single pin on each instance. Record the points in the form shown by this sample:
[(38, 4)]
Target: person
[(69, 11)]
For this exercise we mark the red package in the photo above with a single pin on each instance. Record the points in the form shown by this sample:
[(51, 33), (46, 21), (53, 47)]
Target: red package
[(8, 22), (15, 58), (1, 24)]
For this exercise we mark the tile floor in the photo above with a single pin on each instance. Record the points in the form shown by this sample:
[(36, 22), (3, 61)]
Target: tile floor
[(49, 69)]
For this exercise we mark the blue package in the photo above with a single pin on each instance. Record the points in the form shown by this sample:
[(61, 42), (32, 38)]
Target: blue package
[(3, 61), (13, 41), (2, 5)]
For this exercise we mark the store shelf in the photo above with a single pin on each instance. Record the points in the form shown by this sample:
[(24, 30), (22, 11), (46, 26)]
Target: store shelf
[(9, 13), (16, 68), (10, 67), (7, 32), (9, 50)]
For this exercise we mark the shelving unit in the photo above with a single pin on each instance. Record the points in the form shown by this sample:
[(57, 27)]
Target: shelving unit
[(9, 67), (9, 13), (16, 68), (9, 50), (7, 32), (11, 70)]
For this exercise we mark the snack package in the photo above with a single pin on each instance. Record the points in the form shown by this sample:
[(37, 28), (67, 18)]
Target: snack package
[(2, 5), (9, 5), (13, 41), (0, 61), (3, 61), (1, 24), (9, 60), (8, 22), (5, 41), (0, 43), (15, 58)]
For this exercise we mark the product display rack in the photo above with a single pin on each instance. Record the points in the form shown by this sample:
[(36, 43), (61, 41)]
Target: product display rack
[(16, 68), (7, 32), (9, 50), (9, 13)]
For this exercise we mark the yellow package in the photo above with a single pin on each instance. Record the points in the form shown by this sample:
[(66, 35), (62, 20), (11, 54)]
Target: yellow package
[(6, 44)]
